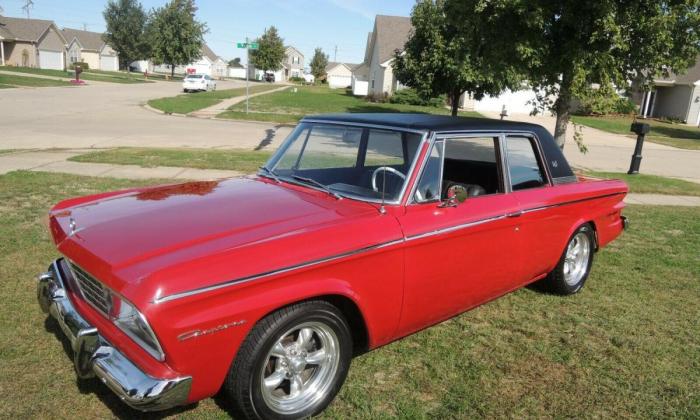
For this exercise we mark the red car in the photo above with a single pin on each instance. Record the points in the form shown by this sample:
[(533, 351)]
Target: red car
[(360, 230)]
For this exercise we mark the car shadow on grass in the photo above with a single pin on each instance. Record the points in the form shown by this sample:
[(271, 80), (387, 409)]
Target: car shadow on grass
[(94, 386)]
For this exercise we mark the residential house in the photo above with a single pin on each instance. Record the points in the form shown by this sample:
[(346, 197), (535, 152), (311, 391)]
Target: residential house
[(31, 43), (293, 63), (675, 97), (390, 33), (292, 66), (236, 71), (88, 47), (339, 75), (209, 63)]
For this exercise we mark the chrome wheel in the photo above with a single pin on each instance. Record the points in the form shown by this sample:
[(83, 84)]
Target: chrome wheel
[(576, 258), (300, 368)]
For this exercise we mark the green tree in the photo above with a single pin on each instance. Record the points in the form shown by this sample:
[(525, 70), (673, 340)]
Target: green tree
[(318, 63), (447, 56), (270, 53), (175, 34), (126, 28), (564, 46), (236, 62)]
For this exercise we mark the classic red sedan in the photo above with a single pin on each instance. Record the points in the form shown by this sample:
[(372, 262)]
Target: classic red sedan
[(346, 240)]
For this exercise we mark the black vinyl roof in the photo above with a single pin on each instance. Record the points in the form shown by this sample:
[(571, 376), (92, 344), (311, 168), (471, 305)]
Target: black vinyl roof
[(427, 122), (554, 158)]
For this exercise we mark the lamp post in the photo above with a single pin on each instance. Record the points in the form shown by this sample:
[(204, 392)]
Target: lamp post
[(641, 130)]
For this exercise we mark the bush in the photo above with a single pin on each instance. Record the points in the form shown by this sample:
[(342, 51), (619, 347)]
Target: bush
[(377, 97), (409, 96), (625, 106), (83, 65), (297, 79)]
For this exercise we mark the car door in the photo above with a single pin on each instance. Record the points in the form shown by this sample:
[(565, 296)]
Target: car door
[(458, 256), (543, 224)]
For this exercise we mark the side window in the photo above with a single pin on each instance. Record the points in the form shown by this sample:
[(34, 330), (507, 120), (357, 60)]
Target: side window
[(472, 162), (429, 185), (524, 167)]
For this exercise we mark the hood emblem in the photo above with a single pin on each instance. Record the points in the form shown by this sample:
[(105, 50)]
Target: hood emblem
[(197, 333)]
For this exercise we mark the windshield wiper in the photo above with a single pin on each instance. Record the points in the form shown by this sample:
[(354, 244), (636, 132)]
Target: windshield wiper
[(318, 184), (271, 173)]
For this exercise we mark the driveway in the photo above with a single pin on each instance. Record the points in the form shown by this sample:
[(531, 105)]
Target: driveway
[(613, 152), (111, 115)]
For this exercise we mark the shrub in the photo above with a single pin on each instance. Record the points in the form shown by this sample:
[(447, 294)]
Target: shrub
[(83, 65), (625, 106), (377, 97), (409, 96), (297, 79)]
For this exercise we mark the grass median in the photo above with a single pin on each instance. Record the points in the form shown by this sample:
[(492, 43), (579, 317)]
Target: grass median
[(110, 77), (671, 134), (626, 346), (190, 102), (289, 106), (8, 81)]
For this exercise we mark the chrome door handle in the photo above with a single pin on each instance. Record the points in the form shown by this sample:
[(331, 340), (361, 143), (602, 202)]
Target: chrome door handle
[(515, 214)]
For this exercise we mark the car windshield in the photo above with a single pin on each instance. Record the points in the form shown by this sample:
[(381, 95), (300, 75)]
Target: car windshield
[(357, 162), (194, 76)]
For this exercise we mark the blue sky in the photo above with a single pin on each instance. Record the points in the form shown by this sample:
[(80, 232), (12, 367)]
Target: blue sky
[(306, 24)]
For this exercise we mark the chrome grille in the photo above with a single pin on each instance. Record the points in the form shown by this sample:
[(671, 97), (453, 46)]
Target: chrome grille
[(94, 292)]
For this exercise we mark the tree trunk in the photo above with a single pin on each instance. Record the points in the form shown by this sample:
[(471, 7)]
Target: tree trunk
[(562, 107), (172, 71), (454, 97)]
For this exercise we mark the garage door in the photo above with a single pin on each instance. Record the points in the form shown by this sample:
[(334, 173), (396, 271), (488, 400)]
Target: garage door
[(339, 81), (109, 63), (50, 60)]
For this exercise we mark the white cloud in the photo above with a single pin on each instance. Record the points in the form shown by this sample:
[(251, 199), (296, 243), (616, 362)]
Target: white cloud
[(355, 6)]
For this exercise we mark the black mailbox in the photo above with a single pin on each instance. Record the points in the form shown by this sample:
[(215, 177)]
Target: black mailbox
[(641, 130)]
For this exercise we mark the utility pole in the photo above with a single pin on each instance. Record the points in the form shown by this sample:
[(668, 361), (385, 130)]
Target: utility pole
[(335, 54), (247, 73), (28, 4), (84, 26)]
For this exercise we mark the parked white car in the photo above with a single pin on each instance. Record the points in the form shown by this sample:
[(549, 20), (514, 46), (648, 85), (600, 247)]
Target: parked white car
[(198, 82)]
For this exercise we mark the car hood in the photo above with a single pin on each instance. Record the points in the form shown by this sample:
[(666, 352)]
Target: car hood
[(126, 238)]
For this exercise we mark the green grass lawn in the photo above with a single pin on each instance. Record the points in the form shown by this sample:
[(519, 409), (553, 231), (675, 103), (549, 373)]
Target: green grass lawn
[(652, 184), (190, 102), (626, 346), (234, 160), (116, 77), (8, 81), (671, 134), (289, 107)]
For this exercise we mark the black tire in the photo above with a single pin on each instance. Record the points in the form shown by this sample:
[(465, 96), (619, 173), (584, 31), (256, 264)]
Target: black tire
[(556, 281), (242, 386)]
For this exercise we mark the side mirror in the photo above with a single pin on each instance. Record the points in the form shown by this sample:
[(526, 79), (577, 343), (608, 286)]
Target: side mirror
[(455, 194)]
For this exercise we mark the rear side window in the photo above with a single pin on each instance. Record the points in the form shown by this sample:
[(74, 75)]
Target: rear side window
[(524, 166)]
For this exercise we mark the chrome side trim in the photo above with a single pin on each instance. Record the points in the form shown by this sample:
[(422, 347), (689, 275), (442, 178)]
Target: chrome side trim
[(287, 269), (95, 356), (274, 272)]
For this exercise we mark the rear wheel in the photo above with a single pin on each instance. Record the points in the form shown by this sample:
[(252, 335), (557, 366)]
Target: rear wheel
[(292, 364), (570, 274)]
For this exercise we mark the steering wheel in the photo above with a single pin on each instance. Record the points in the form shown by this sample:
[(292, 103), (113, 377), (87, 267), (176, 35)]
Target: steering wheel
[(387, 169)]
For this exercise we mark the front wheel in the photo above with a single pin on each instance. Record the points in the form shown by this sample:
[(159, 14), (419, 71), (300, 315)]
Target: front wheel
[(292, 364), (570, 274)]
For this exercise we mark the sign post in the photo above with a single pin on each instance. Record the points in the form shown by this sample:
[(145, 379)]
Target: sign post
[(248, 46)]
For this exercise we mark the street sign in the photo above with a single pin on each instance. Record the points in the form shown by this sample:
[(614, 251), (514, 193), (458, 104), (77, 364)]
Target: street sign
[(249, 45)]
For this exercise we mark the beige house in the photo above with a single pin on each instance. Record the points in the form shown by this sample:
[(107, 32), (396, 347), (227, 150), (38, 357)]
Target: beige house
[(676, 97), (31, 43), (390, 33), (339, 75), (292, 66), (88, 47)]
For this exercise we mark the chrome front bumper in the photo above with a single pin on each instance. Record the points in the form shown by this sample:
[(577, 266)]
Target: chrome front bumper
[(94, 356)]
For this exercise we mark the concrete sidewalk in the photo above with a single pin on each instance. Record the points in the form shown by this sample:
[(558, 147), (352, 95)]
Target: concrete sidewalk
[(57, 161), (224, 105)]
